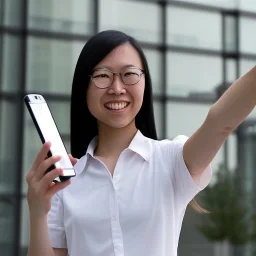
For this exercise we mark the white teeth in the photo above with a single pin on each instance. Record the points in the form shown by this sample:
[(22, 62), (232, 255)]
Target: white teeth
[(116, 106)]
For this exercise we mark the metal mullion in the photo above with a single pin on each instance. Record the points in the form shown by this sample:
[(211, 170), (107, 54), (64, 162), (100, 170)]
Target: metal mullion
[(19, 175), (96, 16), (164, 66)]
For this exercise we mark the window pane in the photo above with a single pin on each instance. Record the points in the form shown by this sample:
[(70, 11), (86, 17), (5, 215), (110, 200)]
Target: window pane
[(61, 114), (76, 16), (24, 227), (11, 63), (193, 75), (158, 110), (51, 64), (13, 13), (247, 5), (156, 70), (185, 119), (231, 41), (126, 16), (247, 39), (201, 29), (231, 70), (9, 127), (7, 225), (215, 3)]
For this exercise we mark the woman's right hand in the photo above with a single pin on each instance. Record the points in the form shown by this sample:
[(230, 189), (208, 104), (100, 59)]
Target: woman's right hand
[(41, 187)]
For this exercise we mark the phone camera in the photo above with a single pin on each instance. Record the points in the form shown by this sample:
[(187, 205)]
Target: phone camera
[(35, 97)]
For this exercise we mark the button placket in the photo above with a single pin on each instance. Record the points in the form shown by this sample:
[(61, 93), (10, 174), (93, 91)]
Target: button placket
[(115, 223)]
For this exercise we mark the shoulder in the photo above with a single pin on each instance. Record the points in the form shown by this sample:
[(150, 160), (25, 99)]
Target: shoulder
[(167, 144)]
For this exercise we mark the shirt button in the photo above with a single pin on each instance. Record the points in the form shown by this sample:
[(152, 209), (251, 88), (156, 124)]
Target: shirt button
[(118, 246)]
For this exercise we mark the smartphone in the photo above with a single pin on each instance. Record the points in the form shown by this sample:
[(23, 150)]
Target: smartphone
[(48, 131)]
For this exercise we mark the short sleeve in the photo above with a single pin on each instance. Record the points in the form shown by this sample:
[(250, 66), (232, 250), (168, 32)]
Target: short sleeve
[(56, 223), (184, 186)]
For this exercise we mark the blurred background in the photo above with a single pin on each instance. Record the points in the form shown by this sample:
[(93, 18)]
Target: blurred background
[(195, 49)]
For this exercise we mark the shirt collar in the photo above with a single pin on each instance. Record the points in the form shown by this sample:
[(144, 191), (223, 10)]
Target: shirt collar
[(139, 144)]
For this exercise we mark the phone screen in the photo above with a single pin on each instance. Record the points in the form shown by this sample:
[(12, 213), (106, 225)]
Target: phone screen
[(50, 133)]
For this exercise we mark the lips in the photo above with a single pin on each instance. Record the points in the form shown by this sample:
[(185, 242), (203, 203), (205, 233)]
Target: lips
[(116, 105)]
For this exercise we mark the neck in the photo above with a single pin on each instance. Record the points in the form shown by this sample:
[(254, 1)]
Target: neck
[(112, 141)]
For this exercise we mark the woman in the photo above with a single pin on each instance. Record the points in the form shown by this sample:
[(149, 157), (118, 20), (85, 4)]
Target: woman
[(131, 191)]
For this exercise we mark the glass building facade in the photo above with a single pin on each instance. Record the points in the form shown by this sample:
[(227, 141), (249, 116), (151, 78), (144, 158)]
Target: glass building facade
[(195, 49)]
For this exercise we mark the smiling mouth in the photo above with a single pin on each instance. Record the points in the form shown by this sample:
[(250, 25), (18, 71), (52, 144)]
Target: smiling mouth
[(116, 106)]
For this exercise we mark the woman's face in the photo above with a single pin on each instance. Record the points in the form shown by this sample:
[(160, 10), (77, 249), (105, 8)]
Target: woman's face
[(117, 105)]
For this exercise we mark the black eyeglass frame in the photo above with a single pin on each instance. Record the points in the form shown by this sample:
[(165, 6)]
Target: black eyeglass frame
[(116, 74)]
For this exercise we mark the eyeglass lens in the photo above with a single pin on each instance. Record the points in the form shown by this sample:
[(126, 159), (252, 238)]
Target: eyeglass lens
[(103, 78)]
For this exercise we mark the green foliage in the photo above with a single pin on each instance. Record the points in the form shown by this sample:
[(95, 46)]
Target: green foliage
[(228, 218)]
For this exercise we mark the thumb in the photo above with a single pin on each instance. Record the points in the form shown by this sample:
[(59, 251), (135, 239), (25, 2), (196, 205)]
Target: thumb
[(72, 159)]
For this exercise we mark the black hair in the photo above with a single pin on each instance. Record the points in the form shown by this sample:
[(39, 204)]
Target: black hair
[(83, 123)]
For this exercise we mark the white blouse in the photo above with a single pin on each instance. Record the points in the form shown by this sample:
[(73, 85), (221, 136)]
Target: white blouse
[(137, 212)]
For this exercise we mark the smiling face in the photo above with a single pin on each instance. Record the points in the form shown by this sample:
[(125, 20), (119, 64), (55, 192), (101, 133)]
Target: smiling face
[(117, 105)]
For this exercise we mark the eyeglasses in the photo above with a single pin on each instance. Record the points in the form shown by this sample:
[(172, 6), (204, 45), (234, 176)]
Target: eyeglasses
[(103, 77)]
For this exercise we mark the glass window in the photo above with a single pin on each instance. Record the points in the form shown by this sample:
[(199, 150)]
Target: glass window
[(158, 113), (231, 75), (13, 12), (194, 76), (230, 36), (154, 59), (24, 227), (7, 225), (215, 3), (247, 5), (76, 16), (9, 127), (232, 151), (51, 64), (61, 114), (247, 39), (11, 68), (201, 29), (126, 16), (185, 119)]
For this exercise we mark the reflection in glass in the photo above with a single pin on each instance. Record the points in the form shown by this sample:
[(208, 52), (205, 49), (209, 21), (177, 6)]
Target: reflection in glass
[(158, 113), (24, 236), (193, 32), (11, 68), (12, 13), (154, 58), (126, 16), (6, 225), (8, 146), (193, 76), (185, 119), (247, 40), (230, 36), (76, 16), (51, 64), (231, 74)]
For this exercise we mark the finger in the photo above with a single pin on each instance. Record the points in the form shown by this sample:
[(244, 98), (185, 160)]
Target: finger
[(41, 155), (57, 187), (44, 166), (72, 159), (48, 178)]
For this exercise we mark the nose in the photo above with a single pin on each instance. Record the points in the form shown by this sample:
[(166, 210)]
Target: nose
[(117, 87)]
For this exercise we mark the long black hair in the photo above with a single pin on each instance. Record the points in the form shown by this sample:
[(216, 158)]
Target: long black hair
[(83, 123)]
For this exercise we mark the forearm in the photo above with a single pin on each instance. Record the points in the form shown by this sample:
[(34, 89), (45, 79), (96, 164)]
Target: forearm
[(39, 238), (236, 103)]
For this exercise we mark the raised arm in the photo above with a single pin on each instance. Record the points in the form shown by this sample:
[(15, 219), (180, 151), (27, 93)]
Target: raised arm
[(224, 116)]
